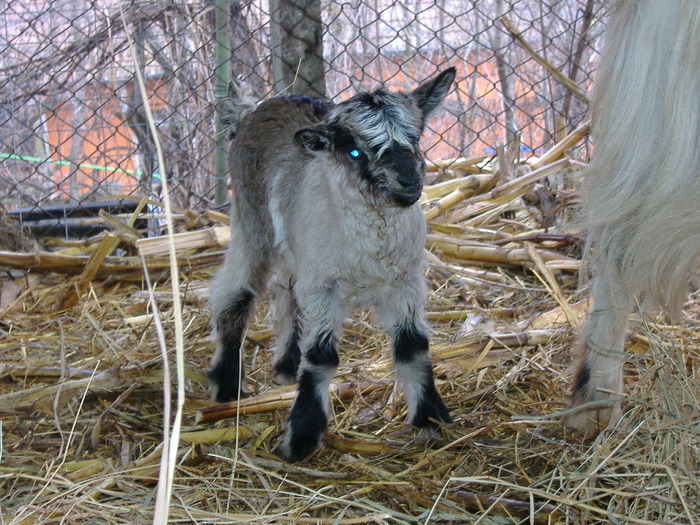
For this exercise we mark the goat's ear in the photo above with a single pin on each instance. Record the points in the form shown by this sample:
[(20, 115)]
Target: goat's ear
[(432, 92), (312, 139)]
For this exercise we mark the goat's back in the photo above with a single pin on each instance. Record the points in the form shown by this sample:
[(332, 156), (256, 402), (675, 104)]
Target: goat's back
[(265, 140)]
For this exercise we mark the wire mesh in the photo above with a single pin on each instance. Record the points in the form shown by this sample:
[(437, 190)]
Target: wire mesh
[(72, 121)]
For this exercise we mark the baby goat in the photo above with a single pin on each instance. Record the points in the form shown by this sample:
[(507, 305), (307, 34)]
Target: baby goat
[(326, 195), (642, 187)]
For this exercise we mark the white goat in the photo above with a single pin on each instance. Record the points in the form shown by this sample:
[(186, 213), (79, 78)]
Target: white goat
[(326, 195), (642, 187)]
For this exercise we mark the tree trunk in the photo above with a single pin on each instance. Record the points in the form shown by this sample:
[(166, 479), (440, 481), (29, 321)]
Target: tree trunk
[(296, 34), (135, 118), (505, 74), (575, 60)]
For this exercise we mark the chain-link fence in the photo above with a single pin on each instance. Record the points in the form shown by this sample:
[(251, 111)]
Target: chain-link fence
[(73, 128)]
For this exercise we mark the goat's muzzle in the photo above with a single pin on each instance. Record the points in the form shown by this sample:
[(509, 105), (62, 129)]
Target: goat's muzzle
[(406, 179), (408, 194)]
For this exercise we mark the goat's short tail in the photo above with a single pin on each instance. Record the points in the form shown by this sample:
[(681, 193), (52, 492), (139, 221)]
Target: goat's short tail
[(237, 104)]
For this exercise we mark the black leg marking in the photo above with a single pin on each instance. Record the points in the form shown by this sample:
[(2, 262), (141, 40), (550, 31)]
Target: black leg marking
[(289, 364), (411, 355), (230, 326), (408, 342), (307, 420), (431, 408), (323, 352)]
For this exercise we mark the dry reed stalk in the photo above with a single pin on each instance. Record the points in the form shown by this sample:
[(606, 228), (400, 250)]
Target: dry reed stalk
[(458, 164), (487, 255), (500, 343), (440, 189), (216, 237), (81, 283), (561, 147), (508, 191), (466, 187), (105, 381)]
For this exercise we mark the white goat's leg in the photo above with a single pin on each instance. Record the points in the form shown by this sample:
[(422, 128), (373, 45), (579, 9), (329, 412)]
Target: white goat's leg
[(598, 378), (285, 319), (308, 417)]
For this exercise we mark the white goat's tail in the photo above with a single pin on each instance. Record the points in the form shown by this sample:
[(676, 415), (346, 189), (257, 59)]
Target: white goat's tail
[(238, 103), (642, 188)]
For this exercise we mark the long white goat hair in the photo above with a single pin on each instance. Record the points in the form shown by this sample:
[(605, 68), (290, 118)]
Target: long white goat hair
[(641, 202)]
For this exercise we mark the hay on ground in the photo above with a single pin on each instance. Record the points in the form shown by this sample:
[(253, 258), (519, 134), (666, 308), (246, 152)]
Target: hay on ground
[(82, 388)]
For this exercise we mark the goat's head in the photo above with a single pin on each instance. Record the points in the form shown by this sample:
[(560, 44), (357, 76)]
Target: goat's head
[(376, 136)]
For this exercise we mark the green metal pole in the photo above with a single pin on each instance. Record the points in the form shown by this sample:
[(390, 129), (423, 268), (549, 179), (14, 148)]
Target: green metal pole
[(222, 74)]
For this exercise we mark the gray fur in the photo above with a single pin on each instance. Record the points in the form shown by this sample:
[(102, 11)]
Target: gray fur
[(340, 233)]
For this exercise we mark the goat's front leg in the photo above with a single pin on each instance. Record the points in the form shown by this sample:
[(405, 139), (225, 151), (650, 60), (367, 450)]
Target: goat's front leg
[(597, 387), (401, 315), (308, 418), (414, 371)]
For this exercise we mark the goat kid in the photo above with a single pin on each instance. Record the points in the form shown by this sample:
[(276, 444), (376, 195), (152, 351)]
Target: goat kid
[(642, 188), (325, 212)]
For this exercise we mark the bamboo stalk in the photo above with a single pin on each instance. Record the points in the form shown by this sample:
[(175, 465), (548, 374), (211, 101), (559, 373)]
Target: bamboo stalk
[(158, 246), (459, 164), (487, 254)]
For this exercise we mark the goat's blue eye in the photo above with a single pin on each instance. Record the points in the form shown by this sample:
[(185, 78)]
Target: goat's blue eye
[(354, 153)]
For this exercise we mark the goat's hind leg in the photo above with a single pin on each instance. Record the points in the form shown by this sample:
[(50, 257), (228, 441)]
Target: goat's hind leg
[(238, 282), (285, 317)]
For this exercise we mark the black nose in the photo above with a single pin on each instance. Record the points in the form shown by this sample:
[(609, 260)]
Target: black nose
[(409, 180)]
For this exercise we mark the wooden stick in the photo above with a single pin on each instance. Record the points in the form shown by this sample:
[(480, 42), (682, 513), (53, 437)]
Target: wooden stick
[(82, 282), (567, 82), (281, 398), (537, 512)]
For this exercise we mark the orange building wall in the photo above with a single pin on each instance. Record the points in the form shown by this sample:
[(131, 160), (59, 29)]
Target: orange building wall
[(106, 142)]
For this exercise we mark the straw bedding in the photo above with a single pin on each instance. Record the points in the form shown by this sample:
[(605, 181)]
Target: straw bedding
[(81, 396)]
